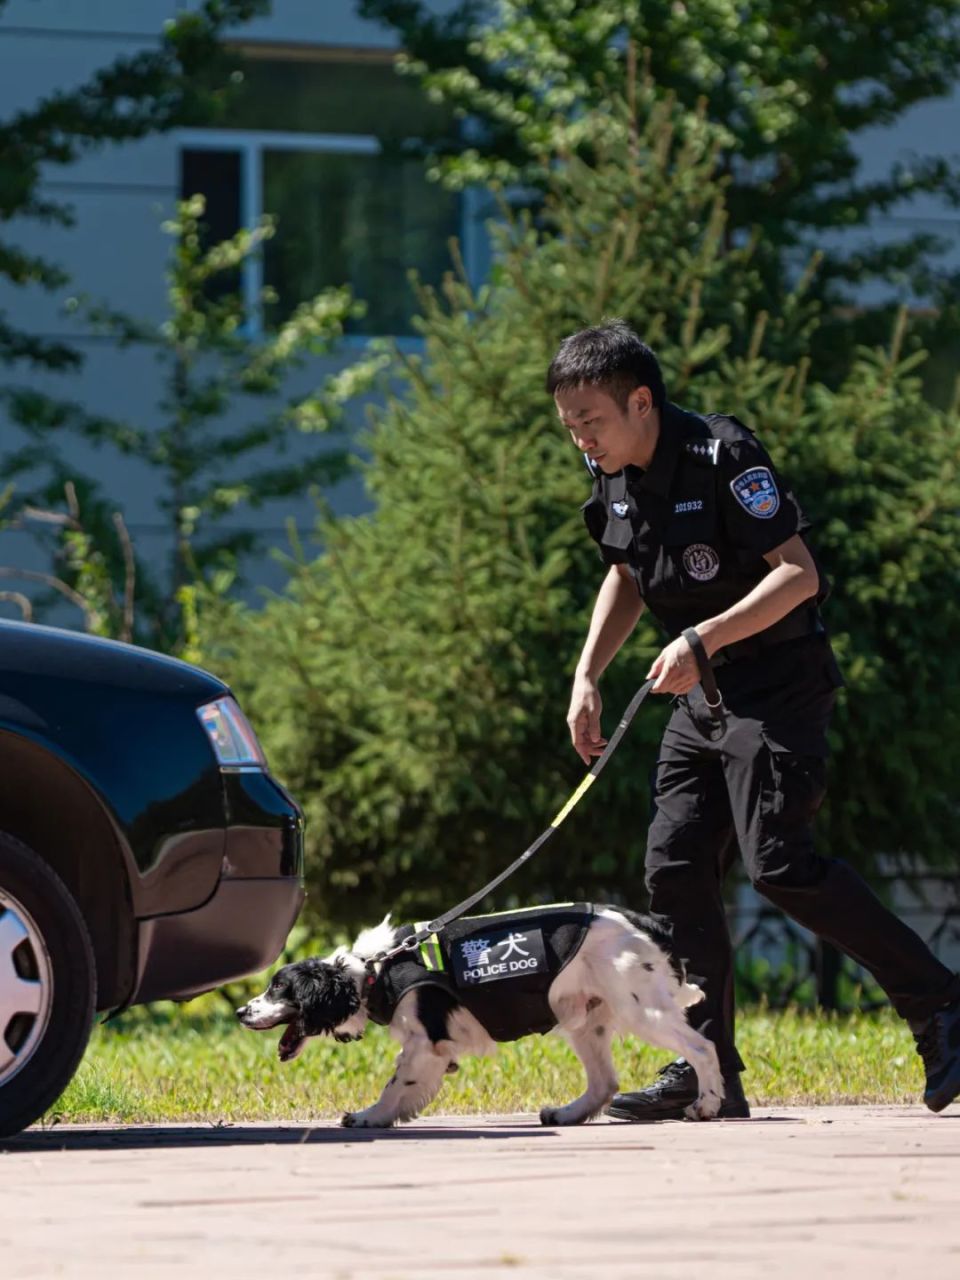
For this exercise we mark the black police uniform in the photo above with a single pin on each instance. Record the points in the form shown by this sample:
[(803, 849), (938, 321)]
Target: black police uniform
[(694, 528)]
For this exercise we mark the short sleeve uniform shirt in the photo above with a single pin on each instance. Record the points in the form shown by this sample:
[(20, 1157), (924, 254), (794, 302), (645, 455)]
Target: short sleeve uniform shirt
[(695, 526)]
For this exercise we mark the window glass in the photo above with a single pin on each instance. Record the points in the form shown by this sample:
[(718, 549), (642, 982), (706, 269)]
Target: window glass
[(216, 175), (361, 220)]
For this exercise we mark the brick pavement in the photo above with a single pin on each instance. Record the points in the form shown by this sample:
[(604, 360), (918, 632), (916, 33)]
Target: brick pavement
[(794, 1192)]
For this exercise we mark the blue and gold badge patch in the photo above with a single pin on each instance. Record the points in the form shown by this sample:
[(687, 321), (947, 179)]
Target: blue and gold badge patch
[(756, 491)]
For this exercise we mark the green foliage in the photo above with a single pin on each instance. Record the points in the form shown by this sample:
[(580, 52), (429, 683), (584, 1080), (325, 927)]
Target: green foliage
[(222, 413), (187, 78), (86, 560), (790, 85), (183, 81), (416, 672), (412, 683), (876, 467)]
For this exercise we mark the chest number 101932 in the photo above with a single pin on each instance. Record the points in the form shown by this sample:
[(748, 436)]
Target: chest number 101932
[(693, 504)]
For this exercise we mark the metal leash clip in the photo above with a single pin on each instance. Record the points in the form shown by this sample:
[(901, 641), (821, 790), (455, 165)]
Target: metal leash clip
[(408, 944)]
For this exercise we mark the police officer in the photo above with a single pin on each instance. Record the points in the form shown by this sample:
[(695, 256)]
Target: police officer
[(696, 525)]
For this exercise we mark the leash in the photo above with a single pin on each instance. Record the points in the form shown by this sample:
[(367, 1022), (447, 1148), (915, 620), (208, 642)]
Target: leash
[(425, 931), (712, 696)]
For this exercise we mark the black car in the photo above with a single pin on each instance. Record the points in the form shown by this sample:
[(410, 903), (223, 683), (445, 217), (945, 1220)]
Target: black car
[(146, 852)]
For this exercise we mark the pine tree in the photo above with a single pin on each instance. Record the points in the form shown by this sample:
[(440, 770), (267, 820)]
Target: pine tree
[(790, 85), (412, 683), (216, 445)]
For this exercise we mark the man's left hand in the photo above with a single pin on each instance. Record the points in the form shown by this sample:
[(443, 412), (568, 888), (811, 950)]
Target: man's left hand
[(675, 668)]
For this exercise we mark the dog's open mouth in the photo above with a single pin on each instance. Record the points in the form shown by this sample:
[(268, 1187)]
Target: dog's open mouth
[(291, 1041)]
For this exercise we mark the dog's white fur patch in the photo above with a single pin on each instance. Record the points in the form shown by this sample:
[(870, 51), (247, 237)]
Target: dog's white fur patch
[(372, 941), (262, 1013)]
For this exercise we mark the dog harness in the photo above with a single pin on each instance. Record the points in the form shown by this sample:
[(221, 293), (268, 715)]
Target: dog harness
[(499, 967)]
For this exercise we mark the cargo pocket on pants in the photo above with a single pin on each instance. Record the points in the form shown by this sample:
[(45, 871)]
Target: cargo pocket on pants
[(790, 795), (797, 785)]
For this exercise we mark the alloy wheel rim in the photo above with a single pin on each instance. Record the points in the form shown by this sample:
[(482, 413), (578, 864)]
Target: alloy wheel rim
[(26, 987)]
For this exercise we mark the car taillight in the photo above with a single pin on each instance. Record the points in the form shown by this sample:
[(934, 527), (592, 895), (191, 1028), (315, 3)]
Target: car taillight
[(234, 743)]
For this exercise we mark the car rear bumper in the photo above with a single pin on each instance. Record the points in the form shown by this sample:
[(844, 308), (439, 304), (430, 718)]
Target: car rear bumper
[(238, 925), (241, 929)]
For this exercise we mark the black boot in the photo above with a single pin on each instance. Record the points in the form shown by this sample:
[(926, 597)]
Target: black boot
[(938, 1044), (675, 1089)]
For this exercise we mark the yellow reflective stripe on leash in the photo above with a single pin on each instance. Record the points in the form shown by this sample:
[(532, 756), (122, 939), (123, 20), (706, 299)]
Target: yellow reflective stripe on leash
[(435, 926), (423, 932), (584, 786)]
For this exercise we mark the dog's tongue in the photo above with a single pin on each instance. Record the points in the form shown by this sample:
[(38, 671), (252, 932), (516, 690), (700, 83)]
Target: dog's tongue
[(290, 1041)]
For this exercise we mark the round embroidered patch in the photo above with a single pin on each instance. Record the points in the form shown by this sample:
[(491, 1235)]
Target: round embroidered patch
[(756, 491), (701, 561)]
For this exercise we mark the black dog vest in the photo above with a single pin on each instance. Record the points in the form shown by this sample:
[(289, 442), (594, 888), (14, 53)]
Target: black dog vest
[(500, 967)]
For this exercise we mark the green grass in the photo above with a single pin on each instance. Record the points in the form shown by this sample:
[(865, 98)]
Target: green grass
[(194, 1063)]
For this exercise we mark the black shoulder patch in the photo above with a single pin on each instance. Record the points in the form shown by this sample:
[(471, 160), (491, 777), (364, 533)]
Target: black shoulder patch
[(706, 452)]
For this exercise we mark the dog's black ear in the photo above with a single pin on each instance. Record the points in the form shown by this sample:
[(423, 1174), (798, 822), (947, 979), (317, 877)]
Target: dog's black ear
[(326, 996)]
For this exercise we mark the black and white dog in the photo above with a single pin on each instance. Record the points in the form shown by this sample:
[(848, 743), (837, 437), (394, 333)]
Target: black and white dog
[(616, 979)]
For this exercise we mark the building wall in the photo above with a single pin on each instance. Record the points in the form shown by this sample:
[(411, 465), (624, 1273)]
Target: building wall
[(927, 129), (116, 250), (121, 193)]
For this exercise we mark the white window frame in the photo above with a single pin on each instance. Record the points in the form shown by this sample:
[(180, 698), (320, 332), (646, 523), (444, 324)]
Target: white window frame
[(251, 144)]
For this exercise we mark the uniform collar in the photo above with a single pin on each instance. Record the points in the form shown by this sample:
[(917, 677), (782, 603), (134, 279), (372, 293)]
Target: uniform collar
[(658, 476)]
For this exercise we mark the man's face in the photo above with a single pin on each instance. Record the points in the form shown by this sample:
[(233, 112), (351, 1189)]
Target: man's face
[(599, 427)]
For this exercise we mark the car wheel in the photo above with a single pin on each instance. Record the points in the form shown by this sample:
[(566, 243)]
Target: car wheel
[(47, 986)]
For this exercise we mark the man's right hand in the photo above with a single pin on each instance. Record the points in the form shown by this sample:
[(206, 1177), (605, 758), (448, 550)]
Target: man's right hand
[(583, 719)]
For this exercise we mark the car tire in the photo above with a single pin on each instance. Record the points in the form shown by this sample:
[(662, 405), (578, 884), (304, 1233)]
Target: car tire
[(47, 986)]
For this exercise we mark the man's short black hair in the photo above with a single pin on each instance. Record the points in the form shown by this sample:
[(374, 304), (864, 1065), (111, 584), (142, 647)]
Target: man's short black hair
[(608, 355)]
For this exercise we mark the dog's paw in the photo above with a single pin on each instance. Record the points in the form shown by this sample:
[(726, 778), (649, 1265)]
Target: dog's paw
[(357, 1120), (562, 1117), (705, 1107)]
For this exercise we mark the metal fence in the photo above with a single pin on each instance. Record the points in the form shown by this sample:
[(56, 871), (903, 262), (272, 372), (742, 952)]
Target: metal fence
[(781, 963)]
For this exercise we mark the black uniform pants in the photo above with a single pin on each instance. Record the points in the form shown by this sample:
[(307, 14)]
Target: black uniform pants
[(759, 785)]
